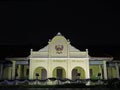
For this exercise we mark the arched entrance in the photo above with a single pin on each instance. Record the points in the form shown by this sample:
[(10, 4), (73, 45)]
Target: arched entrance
[(78, 73), (40, 73), (59, 72)]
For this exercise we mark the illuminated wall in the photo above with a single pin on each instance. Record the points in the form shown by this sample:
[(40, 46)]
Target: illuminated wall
[(60, 57), (59, 53), (95, 69)]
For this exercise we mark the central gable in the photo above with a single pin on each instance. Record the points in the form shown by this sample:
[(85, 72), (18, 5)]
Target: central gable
[(58, 46), (58, 39)]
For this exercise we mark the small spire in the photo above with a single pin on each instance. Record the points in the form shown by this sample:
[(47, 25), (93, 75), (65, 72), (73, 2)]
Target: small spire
[(59, 34)]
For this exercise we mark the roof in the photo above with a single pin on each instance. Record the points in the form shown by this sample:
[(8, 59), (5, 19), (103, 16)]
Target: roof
[(101, 58)]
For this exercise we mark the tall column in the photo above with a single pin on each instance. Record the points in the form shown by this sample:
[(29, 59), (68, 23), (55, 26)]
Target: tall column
[(67, 69), (1, 70), (22, 71), (117, 69), (30, 70), (19, 71), (100, 71), (87, 69), (88, 72), (49, 68), (68, 75), (13, 69), (69, 72), (105, 69)]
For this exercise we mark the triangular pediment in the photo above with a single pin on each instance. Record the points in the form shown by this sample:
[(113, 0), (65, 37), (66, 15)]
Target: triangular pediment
[(73, 49), (44, 49)]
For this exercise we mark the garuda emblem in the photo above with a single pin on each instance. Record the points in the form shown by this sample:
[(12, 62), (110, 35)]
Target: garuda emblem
[(59, 48)]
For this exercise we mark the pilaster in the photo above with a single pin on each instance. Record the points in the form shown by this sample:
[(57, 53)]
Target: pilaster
[(105, 69), (13, 69)]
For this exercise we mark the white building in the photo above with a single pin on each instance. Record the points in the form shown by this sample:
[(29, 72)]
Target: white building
[(59, 59)]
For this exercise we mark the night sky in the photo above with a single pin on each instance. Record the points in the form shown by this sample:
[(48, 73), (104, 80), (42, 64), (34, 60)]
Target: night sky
[(88, 24)]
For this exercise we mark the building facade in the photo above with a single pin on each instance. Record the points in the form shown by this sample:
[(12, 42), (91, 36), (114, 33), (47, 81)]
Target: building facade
[(59, 59)]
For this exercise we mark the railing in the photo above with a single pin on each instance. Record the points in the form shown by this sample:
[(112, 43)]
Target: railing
[(54, 81)]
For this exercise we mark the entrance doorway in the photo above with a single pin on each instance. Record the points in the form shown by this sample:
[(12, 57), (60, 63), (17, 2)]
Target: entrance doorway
[(40, 73), (59, 73), (78, 73)]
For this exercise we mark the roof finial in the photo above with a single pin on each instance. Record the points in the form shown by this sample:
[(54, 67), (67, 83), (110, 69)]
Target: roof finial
[(59, 34)]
